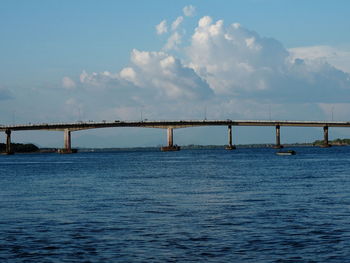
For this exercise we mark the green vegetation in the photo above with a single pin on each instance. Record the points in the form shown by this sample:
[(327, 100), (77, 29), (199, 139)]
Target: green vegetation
[(333, 142), (20, 148)]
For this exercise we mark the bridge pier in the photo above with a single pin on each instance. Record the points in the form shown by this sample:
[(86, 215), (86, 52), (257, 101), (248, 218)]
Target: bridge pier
[(230, 146), (170, 136), (67, 143), (67, 140), (8, 142), (278, 138), (171, 146), (325, 138)]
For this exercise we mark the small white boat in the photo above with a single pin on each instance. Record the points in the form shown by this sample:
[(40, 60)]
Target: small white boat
[(289, 152)]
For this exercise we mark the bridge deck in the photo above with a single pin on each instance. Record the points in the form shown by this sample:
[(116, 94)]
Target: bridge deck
[(170, 124)]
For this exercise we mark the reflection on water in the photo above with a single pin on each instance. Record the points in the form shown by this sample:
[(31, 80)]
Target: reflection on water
[(247, 205)]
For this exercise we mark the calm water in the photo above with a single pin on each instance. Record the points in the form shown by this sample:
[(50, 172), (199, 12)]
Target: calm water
[(189, 206)]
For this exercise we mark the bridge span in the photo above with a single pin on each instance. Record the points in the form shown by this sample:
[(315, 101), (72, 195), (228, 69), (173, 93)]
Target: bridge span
[(67, 128)]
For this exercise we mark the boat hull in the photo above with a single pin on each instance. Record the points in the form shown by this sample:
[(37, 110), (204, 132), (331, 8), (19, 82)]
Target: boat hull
[(285, 153)]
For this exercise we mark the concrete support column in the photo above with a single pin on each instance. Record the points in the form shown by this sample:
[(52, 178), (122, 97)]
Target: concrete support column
[(278, 137), (67, 140), (8, 142), (230, 146), (170, 137), (67, 143), (170, 146), (325, 137), (230, 136)]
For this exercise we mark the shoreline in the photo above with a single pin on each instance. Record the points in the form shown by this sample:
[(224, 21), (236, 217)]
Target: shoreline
[(196, 147), (185, 147)]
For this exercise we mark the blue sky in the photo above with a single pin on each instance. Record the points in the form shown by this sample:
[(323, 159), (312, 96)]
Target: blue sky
[(64, 61)]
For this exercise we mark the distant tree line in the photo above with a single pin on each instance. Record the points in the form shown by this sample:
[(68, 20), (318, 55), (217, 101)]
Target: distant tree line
[(20, 147), (334, 142)]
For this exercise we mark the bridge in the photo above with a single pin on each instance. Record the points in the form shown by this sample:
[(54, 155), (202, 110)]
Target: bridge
[(67, 128)]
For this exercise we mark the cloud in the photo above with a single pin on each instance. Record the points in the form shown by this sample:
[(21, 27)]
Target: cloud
[(233, 58), (168, 75), (103, 80), (339, 58), (231, 70), (173, 41), (238, 62), (68, 83), (128, 74), (162, 27), (177, 23), (152, 74), (189, 10)]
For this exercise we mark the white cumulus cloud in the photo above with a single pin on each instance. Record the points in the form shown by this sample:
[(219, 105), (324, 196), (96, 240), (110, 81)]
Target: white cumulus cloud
[(177, 23), (233, 58), (167, 75), (158, 74), (173, 41), (189, 10), (239, 62), (162, 27), (230, 69)]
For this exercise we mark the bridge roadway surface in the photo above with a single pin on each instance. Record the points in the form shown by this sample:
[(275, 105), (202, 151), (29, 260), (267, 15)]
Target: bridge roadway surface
[(169, 124)]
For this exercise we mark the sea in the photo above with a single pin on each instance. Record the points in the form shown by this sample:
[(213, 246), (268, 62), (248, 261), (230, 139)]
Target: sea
[(207, 205)]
